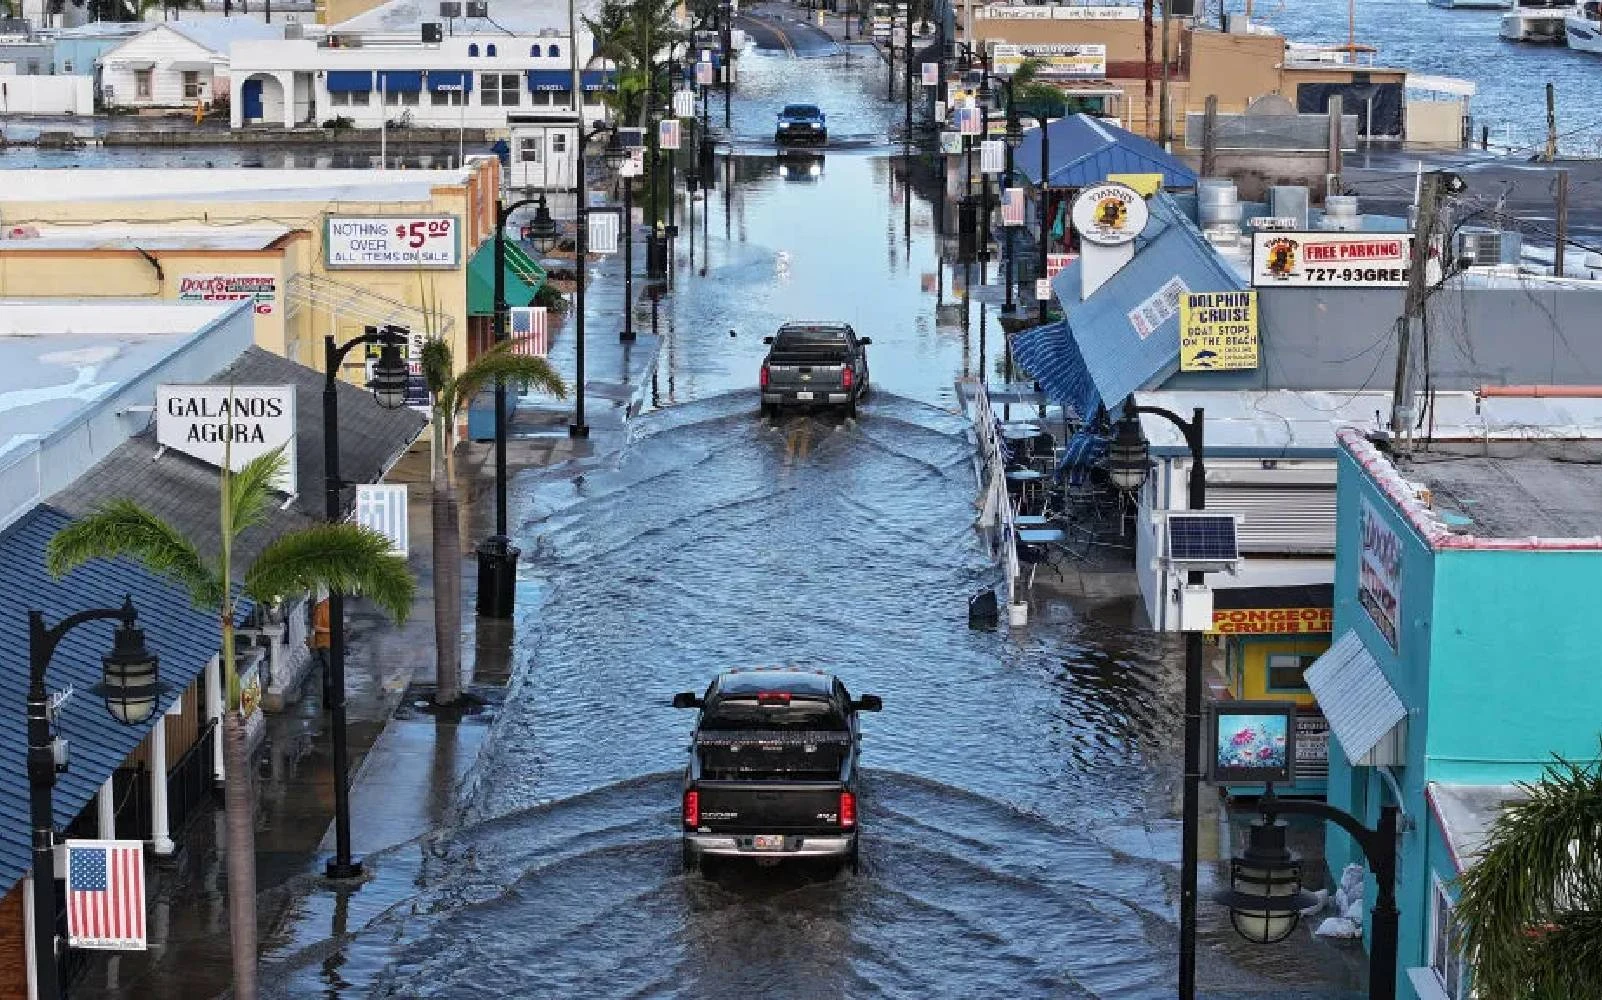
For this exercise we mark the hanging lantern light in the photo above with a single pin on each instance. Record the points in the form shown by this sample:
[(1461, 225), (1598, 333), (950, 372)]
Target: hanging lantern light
[(1265, 897), (129, 682), (542, 230), (1128, 456)]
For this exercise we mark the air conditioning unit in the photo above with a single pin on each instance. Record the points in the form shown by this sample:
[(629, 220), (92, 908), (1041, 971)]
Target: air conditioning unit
[(294, 32), (1487, 247), (450, 8), (433, 33), (477, 8)]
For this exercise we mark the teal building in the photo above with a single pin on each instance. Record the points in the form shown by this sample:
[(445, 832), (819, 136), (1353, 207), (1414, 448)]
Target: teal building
[(1467, 581)]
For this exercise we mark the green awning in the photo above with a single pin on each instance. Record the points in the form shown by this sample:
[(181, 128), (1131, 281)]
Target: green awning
[(524, 276)]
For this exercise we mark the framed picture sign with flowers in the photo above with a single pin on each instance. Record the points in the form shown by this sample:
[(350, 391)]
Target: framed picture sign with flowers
[(1251, 742)]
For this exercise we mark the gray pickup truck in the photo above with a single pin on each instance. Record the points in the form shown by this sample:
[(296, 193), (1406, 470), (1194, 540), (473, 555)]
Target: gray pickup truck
[(814, 364), (773, 768)]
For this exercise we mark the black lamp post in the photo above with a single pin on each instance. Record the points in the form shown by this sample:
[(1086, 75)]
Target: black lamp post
[(982, 234), (1045, 208), (1128, 464), (1014, 139), (617, 156), (727, 10), (130, 686), (1265, 897), (388, 385)]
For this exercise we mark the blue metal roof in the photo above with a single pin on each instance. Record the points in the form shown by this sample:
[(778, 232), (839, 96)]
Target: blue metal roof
[(184, 637), (1084, 150), (1096, 355)]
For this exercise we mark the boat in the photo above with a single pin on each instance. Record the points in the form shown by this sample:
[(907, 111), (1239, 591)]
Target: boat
[(1582, 29), (1536, 20), (1473, 4)]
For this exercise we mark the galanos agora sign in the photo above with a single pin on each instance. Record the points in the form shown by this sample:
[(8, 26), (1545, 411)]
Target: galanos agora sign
[(246, 421)]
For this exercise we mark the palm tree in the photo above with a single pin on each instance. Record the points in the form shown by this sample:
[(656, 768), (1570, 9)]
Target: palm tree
[(634, 35), (1531, 905), (344, 557), (1036, 99), (451, 393)]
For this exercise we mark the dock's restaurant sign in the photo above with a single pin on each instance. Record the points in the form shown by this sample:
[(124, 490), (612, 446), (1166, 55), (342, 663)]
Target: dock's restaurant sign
[(393, 241), (1217, 331), (1330, 260), (261, 289), (1272, 621), (1059, 12), (1379, 573), (200, 420)]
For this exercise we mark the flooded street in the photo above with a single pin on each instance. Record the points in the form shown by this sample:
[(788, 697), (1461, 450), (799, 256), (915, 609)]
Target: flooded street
[(1019, 838)]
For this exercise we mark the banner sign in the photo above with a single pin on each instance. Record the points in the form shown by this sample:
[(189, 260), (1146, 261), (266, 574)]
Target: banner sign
[(704, 73), (684, 104), (1076, 61), (1012, 207), (1064, 12), (1158, 307), (1379, 572), (262, 289), (968, 121), (1109, 214), (992, 156), (106, 895), (381, 507), (199, 421), (1217, 331), (1272, 621), (1330, 260), (668, 133), (1055, 262), (931, 74), (433, 241), (1250, 742)]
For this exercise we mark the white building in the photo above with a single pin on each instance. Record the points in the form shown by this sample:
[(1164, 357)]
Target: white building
[(177, 64), (403, 62)]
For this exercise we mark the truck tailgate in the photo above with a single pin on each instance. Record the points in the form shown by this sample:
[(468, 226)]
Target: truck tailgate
[(820, 376), (769, 806)]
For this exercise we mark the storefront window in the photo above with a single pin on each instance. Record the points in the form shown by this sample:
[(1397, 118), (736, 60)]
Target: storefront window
[(499, 90), (350, 98), (1446, 946)]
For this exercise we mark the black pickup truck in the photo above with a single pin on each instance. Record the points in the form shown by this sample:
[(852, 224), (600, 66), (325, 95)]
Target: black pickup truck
[(814, 364), (773, 768)]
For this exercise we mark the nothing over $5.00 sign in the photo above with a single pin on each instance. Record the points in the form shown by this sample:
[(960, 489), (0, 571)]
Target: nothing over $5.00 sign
[(376, 242)]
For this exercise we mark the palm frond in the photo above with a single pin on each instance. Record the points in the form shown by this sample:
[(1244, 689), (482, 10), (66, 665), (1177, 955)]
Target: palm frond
[(344, 557), (250, 490), (500, 362), (123, 528), (1531, 904), (437, 363)]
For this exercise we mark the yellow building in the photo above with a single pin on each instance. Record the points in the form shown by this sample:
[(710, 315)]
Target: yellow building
[(340, 249)]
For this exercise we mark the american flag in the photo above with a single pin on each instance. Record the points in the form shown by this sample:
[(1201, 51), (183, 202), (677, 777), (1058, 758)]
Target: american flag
[(106, 894), (1012, 207), (529, 334)]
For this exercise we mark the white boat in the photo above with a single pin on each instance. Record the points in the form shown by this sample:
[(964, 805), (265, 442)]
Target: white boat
[(1536, 20), (1583, 29), (1473, 4)]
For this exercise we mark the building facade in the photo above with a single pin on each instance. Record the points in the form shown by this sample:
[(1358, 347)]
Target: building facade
[(177, 64)]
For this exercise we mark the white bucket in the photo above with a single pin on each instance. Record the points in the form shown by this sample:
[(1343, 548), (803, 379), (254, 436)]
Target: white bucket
[(1017, 614)]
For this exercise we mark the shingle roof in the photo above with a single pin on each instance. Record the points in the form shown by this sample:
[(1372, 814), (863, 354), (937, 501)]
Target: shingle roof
[(1083, 150), (184, 638), (183, 490)]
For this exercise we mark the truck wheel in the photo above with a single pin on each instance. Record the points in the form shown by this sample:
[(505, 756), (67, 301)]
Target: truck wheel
[(854, 859), (769, 411), (851, 410), (710, 865), (691, 862)]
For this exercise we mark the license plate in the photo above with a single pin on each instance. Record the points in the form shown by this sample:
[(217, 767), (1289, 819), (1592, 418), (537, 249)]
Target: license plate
[(768, 842), (805, 397)]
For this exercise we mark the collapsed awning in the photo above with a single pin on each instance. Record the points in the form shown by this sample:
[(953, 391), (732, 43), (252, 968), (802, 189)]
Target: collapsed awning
[(524, 276), (450, 79), (349, 80), (1052, 356), (400, 81), (1363, 709)]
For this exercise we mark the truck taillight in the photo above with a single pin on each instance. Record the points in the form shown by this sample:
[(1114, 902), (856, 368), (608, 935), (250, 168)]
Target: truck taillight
[(846, 375), (848, 809), (692, 809), (764, 376)]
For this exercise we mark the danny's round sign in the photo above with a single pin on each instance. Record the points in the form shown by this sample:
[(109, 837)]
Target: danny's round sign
[(1109, 214)]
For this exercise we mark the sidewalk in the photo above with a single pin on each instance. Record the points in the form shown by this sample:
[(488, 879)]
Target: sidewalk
[(407, 764)]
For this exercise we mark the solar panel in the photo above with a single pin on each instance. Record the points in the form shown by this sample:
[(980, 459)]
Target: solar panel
[(1194, 538)]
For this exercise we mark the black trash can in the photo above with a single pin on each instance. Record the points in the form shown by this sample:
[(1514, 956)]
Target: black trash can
[(497, 576)]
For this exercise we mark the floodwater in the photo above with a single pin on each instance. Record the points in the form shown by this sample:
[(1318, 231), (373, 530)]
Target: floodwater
[(1018, 817)]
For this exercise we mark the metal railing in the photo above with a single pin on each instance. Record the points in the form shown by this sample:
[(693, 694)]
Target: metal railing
[(995, 506)]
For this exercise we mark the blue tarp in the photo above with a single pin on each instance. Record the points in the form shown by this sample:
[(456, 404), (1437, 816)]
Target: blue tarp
[(348, 80), (397, 81), (1083, 150), (450, 79)]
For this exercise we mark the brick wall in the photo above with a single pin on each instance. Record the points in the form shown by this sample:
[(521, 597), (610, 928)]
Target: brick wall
[(13, 947)]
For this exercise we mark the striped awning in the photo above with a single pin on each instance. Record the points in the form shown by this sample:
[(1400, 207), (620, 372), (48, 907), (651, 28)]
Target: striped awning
[(1050, 354), (1360, 704)]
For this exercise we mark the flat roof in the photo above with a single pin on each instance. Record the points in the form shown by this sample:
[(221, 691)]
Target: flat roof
[(1547, 489), (516, 17), (58, 357), (100, 236), (1303, 423), (237, 184)]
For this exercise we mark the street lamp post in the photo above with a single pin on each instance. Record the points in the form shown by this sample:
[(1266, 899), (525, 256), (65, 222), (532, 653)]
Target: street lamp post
[(1128, 464), (982, 233), (1265, 898), (388, 384), (1045, 208), (728, 65), (1014, 137), (130, 686), (616, 156)]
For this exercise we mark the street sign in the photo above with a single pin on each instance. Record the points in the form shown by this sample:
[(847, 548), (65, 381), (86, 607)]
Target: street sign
[(1043, 289)]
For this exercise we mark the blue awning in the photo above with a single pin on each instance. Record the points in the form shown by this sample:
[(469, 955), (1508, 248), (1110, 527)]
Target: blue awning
[(450, 79), (396, 81), (1085, 448), (550, 79), (1052, 356), (349, 80), (599, 79)]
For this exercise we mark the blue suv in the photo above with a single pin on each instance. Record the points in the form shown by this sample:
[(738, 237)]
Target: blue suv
[(801, 125)]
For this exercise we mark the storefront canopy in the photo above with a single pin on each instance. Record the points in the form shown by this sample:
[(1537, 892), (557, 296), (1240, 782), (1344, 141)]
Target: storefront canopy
[(349, 81), (524, 276), (1360, 704), (550, 79), (396, 81), (450, 79)]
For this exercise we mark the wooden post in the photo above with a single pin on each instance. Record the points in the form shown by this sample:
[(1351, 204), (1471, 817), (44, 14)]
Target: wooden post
[(1336, 123), (1551, 122), (1429, 201), (1209, 158), (1562, 223)]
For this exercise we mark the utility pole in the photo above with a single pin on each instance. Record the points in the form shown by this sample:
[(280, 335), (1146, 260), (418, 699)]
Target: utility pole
[(1209, 159), (1429, 203), (1562, 223), (1551, 122)]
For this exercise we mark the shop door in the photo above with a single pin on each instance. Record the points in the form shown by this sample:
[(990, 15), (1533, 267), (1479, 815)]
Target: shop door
[(250, 94)]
